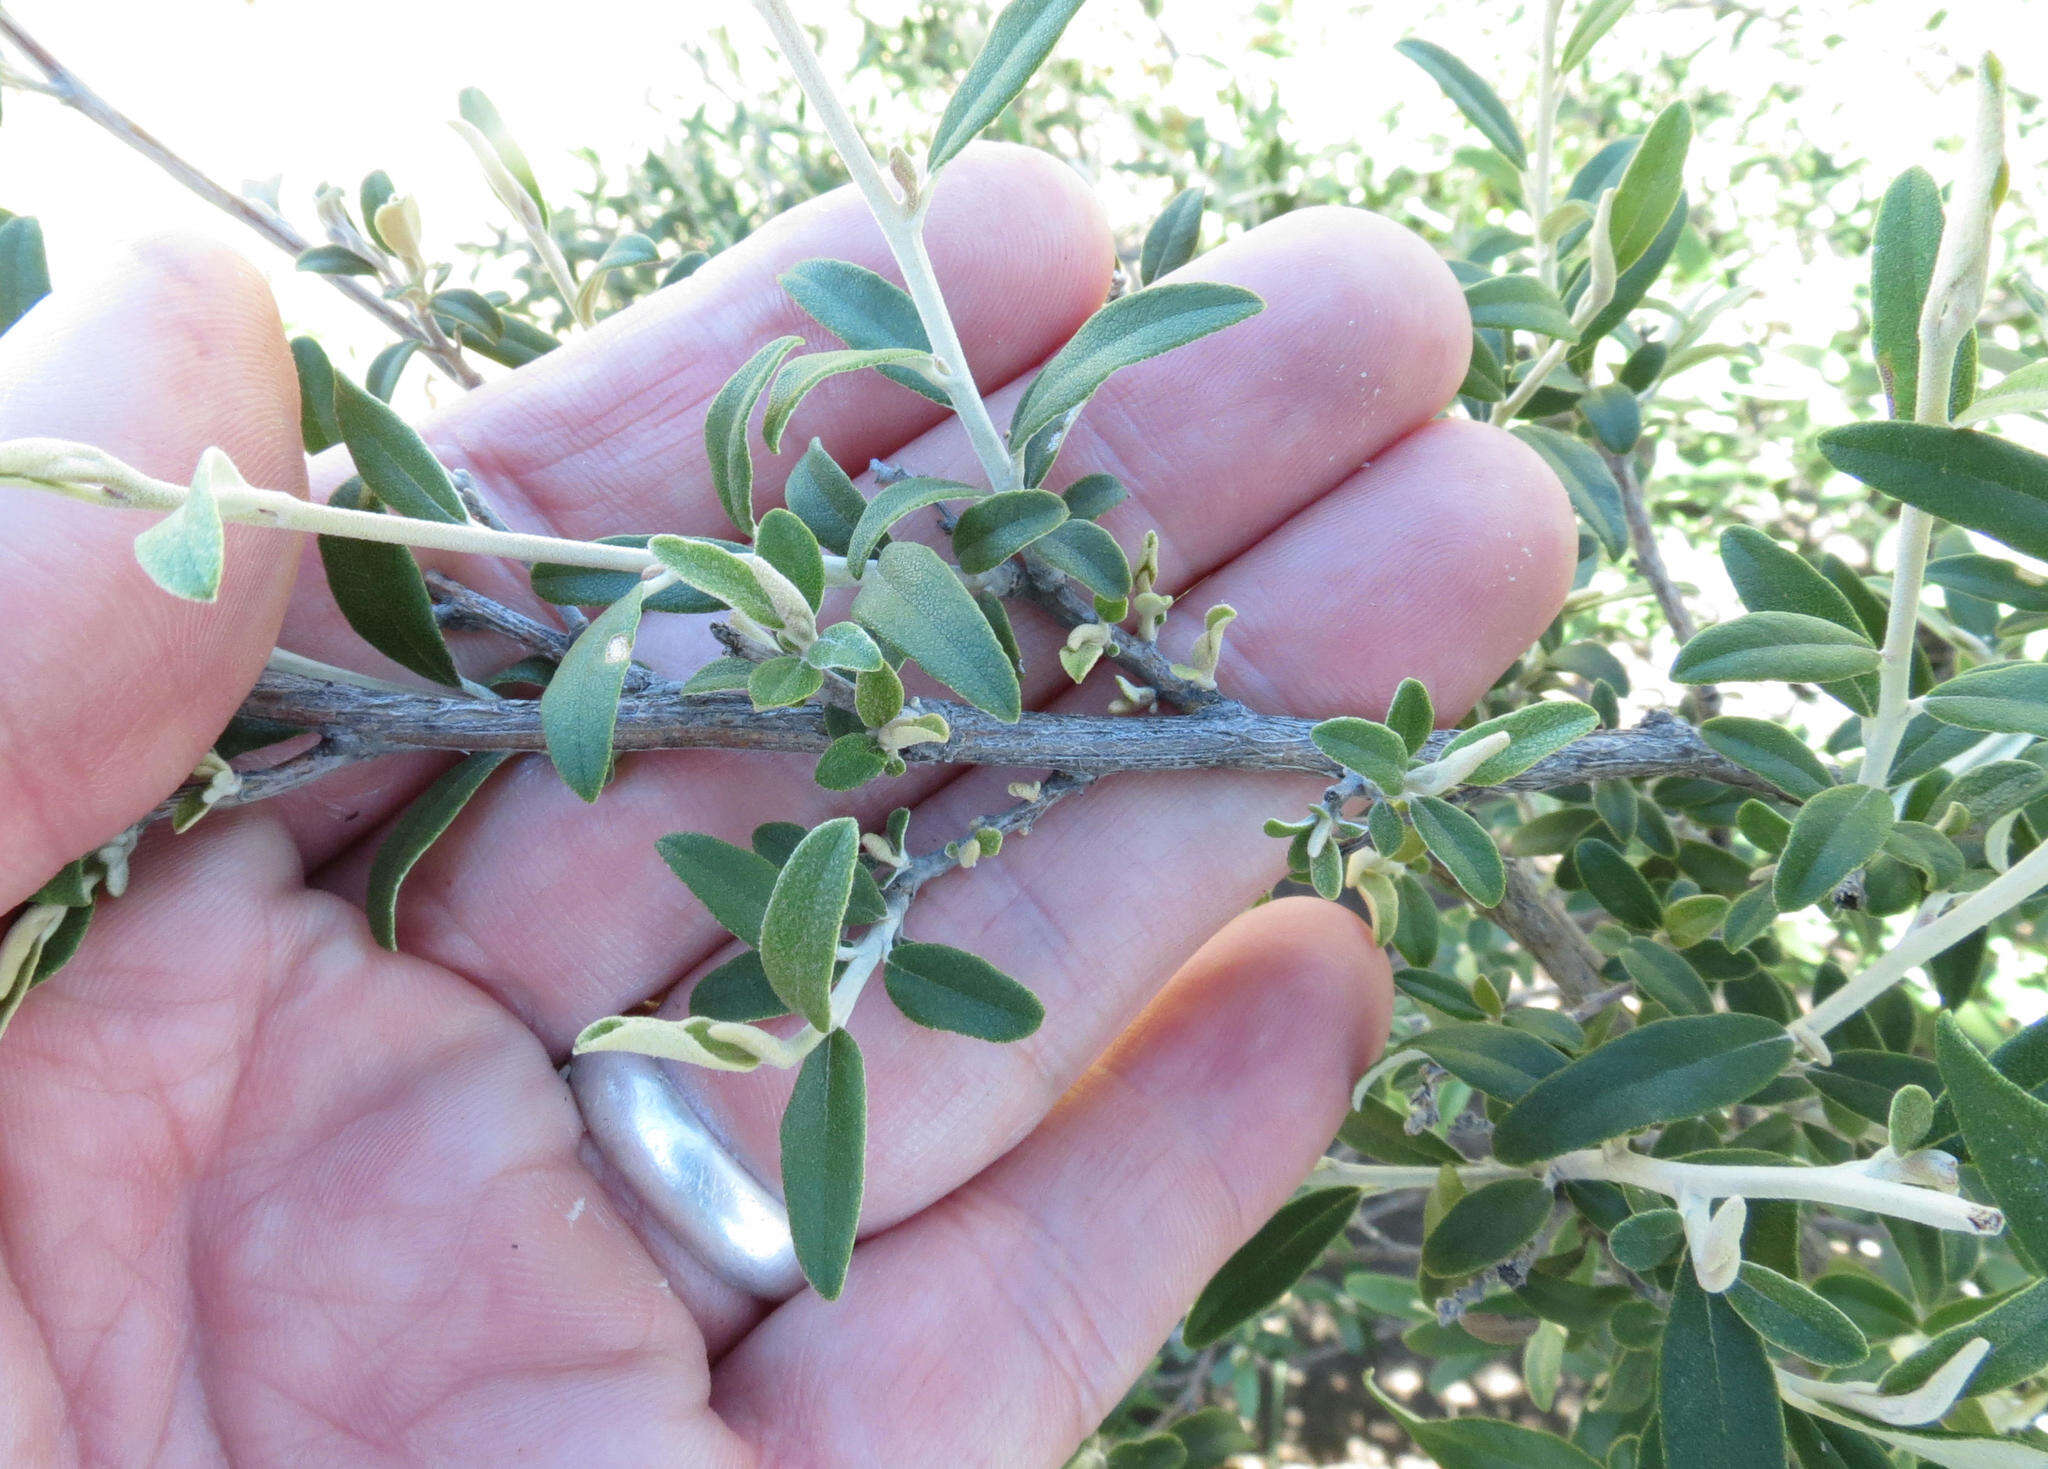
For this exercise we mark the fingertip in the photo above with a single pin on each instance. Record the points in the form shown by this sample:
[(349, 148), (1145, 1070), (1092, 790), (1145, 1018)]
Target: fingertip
[(1321, 962)]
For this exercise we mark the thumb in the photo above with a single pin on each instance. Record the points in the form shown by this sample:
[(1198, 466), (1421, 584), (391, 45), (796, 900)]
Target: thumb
[(113, 689)]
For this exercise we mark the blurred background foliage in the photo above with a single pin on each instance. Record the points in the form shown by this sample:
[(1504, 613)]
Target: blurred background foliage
[(1784, 181)]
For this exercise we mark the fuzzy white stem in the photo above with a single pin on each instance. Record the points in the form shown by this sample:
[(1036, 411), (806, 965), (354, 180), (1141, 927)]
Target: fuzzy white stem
[(902, 224)]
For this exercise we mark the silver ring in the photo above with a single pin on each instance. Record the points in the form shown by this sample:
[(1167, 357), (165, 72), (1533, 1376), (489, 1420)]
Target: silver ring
[(645, 1129)]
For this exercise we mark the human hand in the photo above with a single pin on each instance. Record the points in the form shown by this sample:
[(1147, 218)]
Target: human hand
[(269, 1194)]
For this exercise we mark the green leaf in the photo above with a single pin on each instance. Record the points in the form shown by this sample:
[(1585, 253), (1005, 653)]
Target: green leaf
[(1992, 580), (1171, 241), (1773, 578), (1093, 495), (1665, 977), (950, 989), (24, 269), (1632, 288), (334, 260), (1614, 415), (1484, 1443), (417, 828), (580, 707), (731, 882), (1613, 880), (1656, 1073), (824, 1165), (184, 552), (1090, 555), (850, 762), (1769, 750), (1717, 1398), (1834, 834), (913, 600), (2007, 1130), (1502, 1062), (1411, 714), (806, 910), (1269, 1263), (787, 544), (738, 991), (781, 683), (386, 368), (1650, 186), (891, 504), (864, 311), (1156, 1451), (624, 253), (380, 591), (1378, 1131), (395, 463), (1646, 1240), (725, 430), (1472, 96), (820, 494), (993, 530), (1022, 36), (1902, 251), (1958, 474), (1518, 303), (1486, 1227), (1364, 747), (1586, 479), (478, 112), (1595, 20), (2023, 390), (796, 380), (1440, 991), (318, 426), (1535, 732), (2003, 698), (1126, 331), (878, 696), (717, 573), (1464, 847), (1786, 647), (1789, 1316), (845, 646), (472, 311), (584, 586), (2017, 1328)]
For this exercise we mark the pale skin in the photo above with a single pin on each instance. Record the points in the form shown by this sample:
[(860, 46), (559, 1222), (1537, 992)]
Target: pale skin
[(269, 1194)]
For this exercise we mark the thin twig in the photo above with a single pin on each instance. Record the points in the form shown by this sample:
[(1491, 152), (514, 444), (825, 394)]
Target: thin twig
[(1531, 913), (64, 85), (1642, 538)]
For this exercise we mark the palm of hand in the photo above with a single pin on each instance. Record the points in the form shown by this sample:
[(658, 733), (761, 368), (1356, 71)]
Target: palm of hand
[(271, 1195)]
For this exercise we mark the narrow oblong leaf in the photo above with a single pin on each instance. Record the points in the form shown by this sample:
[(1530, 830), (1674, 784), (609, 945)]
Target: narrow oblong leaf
[(806, 910), (1022, 36), (913, 600), (2017, 1328), (417, 828), (1650, 186), (1464, 847), (395, 463), (1665, 977), (801, 375), (1090, 555), (716, 572), (1500, 1061), (383, 596), (1903, 246), (1788, 1315), (584, 586), (1774, 578), (2007, 1130), (580, 707), (737, 991), (1170, 243), (1367, 748), (318, 425), (725, 430), (891, 504), (1535, 732), (478, 111), (24, 269), (993, 530), (1986, 484), (863, 310), (822, 495), (1126, 331), (1484, 1443), (731, 882), (1769, 750), (824, 1164), (787, 544), (1992, 580), (2003, 698), (1595, 20), (1266, 1267), (1786, 647), (1717, 1398), (1614, 881), (1412, 714), (2023, 390), (1587, 480), (1835, 833), (1486, 1227), (1654, 1074), (1482, 108), (1518, 303), (945, 988)]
